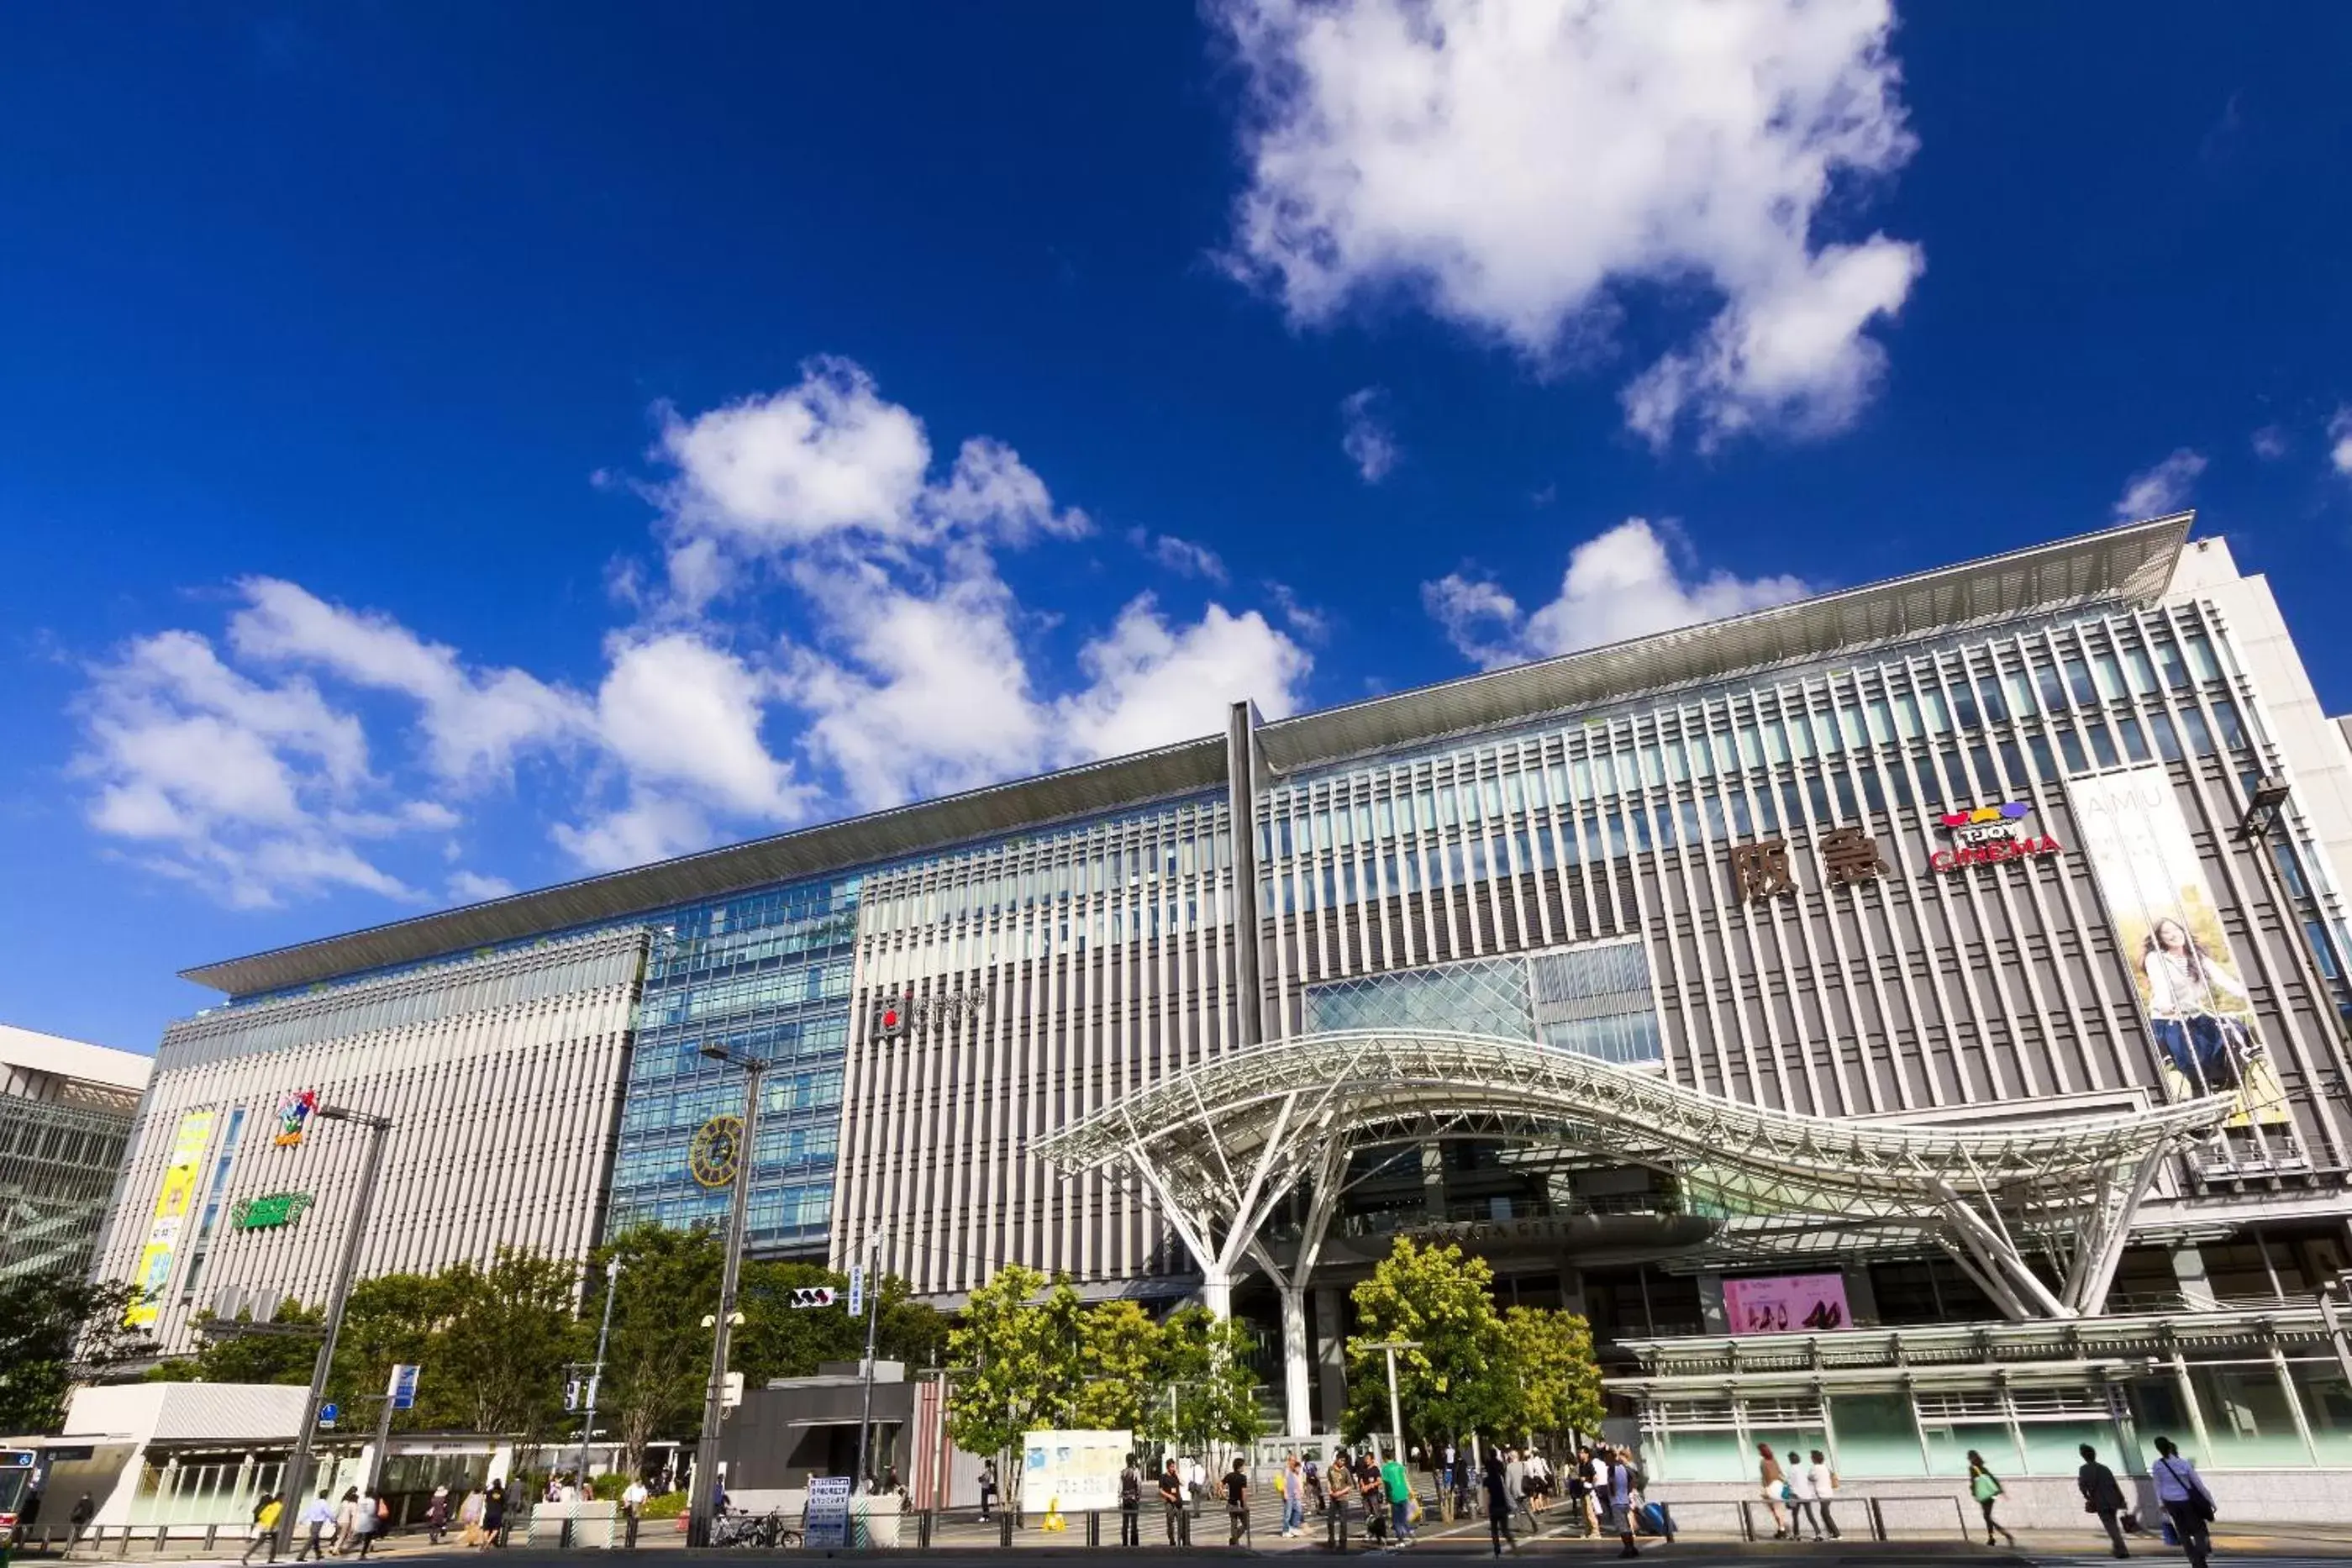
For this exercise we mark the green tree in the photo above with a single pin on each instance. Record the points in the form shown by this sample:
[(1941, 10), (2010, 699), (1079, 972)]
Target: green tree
[(506, 1333), (658, 1362), (1009, 1368), (57, 1329), (1204, 1364), (1121, 1349), (388, 1320), (1559, 1383), (1459, 1377), (249, 1357)]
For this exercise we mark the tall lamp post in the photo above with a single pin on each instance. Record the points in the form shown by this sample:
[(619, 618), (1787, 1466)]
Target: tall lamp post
[(2265, 814), (596, 1375), (298, 1465), (702, 1514), (1396, 1419)]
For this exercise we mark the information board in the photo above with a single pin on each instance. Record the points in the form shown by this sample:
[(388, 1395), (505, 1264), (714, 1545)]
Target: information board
[(828, 1513), (1076, 1472)]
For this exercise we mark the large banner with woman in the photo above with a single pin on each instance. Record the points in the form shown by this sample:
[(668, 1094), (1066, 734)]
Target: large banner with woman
[(2190, 984)]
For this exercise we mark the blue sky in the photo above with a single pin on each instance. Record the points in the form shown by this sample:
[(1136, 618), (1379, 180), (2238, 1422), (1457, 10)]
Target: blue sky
[(455, 447)]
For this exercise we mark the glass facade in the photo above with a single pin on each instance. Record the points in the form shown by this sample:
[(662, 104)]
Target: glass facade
[(767, 975), (1595, 1001)]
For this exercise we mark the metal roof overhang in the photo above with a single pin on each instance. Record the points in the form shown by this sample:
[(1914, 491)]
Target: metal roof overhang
[(1372, 1086), (2133, 563)]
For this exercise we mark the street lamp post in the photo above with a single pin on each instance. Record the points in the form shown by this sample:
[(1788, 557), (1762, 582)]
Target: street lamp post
[(873, 1313), (2264, 814), (299, 1463), (701, 1512), (1396, 1420), (596, 1373)]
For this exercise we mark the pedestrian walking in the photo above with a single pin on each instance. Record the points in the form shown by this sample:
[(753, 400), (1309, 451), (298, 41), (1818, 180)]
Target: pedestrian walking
[(1774, 1487), (1397, 1485), (1622, 1488), (1293, 1480), (84, 1511), (2187, 1500), (1802, 1501), (317, 1518), (469, 1521), (1824, 1484), (437, 1515), (369, 1514), (1314, 1494), (347, 1520), (1172, 1502), (263, 1530), (633, 1497), (494, 1513), (1130, 1503), (988, 1491), (1986, 1488), (1498, 1503), (1236, 1503), (2103, 1496)]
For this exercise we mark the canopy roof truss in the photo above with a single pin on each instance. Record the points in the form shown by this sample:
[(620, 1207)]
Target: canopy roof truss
[(1222, 1144)]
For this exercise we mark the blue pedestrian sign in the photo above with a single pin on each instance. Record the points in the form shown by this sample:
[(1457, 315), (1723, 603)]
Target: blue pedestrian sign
[(402, 1391), (327, 1414)]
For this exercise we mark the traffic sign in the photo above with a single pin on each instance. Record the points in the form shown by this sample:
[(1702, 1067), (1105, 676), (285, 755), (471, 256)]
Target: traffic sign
[(401, 1391), (857, 1289), (814, 1296), (327, 1414)]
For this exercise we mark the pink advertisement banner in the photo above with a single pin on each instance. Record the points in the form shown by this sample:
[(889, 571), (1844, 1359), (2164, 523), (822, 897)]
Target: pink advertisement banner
[(1786, 1304)]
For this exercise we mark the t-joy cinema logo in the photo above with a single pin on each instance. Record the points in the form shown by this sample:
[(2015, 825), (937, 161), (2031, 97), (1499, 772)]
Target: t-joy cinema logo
[(897, 1015), (1986, 834)]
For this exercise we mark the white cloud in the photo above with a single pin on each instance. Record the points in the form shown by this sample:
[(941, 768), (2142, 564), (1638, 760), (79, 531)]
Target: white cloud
[(2270, 443), (1150, 683), (1365, 435), (905, 673), (824, 456), (1515, 167), (1618, 584), (2340, 441), (1182, 556), (474, 721), (927, 690), (250, 791), (2165, 487), (476, 887)]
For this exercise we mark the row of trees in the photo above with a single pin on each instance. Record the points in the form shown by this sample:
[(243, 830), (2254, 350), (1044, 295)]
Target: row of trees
[(1516, 1374), (493, 1342)]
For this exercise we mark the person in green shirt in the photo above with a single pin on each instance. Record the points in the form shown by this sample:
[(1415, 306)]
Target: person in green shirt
[(1399, 1486)]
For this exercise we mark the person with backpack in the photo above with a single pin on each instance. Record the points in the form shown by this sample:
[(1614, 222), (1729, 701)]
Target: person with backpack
[(1986, 1488), (2187, 1501), (264, 1527), (1130, 1503), (1622, 1488)]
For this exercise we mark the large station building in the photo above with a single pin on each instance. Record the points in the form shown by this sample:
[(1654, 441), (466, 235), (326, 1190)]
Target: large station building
[(1909, 1019)]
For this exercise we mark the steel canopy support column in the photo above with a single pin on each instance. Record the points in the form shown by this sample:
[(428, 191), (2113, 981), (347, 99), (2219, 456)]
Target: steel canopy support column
[(2099, 1274), (1297, 1409), (1322, 1203), (1998, 1256)]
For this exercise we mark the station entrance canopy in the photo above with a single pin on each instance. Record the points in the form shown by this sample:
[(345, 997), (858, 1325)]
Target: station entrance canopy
[(1225, 1143)]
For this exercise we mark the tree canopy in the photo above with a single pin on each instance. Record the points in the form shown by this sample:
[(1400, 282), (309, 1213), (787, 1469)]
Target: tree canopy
[(57, 1329), (1470, 1368)]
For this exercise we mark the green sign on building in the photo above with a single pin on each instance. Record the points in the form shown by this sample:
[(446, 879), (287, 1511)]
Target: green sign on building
[(270, 1212)]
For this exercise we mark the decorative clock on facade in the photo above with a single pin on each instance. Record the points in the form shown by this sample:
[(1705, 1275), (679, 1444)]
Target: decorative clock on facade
[(718, 1145)]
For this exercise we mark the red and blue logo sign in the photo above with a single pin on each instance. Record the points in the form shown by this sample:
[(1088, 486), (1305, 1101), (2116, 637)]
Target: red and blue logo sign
[(1986, 834)]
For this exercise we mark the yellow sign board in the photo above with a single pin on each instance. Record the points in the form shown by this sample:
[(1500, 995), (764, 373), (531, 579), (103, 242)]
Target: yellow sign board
[(173, 1201)]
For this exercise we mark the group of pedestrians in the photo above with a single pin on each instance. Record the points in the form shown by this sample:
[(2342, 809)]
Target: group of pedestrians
[(352, 1526), (1607, 1480), (1798, 1491)]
